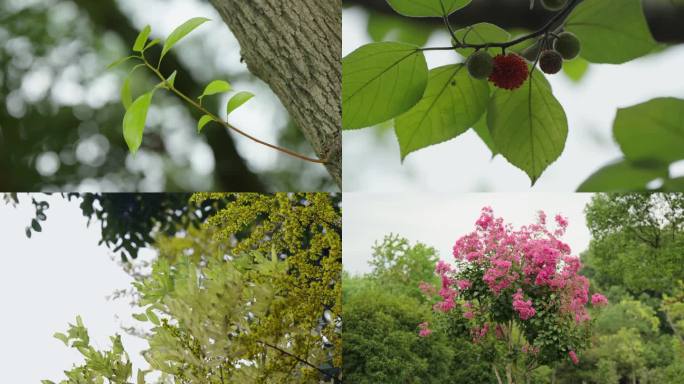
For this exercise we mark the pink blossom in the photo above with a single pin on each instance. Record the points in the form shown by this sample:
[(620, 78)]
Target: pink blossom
[(463, 284), (469, 315), (445, 306), (573, 357), (598, 300), (524, 308), (424, 330), (442, 267)]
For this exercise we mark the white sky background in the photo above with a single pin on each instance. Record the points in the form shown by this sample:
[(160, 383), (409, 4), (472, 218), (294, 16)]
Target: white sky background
[(48, 280), (439, 220), (463, 164)]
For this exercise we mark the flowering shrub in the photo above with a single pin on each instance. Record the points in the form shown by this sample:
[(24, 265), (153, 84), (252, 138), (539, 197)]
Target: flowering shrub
[(519, 289)]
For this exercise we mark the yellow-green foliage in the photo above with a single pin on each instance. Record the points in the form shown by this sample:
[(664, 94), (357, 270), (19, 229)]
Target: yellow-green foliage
[(243, 299)]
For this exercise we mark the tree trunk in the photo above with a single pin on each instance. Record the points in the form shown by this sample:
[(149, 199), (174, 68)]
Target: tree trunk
[(295, 47)]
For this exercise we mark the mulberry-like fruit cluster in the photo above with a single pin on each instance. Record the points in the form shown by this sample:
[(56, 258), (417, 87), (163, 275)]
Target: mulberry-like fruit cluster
[(510, 71)]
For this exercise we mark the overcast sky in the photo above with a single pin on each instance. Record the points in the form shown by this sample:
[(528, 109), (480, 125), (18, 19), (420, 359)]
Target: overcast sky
[(48, 280), (371, 161), (439, 219)]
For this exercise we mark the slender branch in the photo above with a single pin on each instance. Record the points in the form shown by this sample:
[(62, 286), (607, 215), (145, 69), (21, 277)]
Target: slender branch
[(225, 123), (284, 352), (541, 31)]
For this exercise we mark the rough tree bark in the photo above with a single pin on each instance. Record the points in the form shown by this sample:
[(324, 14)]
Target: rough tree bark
[(295, 47)]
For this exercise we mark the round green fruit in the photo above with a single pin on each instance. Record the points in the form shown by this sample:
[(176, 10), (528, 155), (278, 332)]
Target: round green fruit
[(553, 5), (480, 65), (550, 62), (568, 45)]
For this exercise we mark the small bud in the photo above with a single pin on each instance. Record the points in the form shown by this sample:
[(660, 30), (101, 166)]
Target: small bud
[(568, 45)]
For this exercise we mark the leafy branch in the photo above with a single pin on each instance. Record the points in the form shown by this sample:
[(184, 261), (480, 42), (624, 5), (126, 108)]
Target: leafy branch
[(136, 111), (297, 358), (546, 29)]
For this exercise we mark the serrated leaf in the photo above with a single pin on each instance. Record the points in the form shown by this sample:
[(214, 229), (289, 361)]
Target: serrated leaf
[(204, 120), (427, 8), (528, 125), (236, 101), (140, 316), (119, 62), (152, 316), (611, 31), (481, 33), (142, 39), (134, 121), (62, 337), (216, 86), (452, 103), (180, 32), (623, 176), (653, 130), (126, 96), (381, 81)]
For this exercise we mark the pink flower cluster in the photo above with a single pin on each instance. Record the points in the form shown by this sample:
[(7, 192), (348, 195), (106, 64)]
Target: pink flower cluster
[(425, 331), (573, 357), (518, 259), (524, 308), (598, 300)]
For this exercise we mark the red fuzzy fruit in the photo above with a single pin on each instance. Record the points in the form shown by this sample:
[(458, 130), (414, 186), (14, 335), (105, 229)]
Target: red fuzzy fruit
[(510, 71)]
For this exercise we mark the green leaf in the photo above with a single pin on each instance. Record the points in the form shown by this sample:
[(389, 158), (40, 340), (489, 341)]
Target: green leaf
[(623, 176), (140, 316), (27, 231), (142, 39), (204, 120), (216, 86), (134, 121), (181, 32), (481, 33), (151, 44), (119, 62), (528, 125), (452, 103), (427, 8), (611, 31), (152, 316), (576, 68), (36, 225), (653, 130), (236, 101), (126, 97), (387, 26), (62, 337), (483, 132), (380, 81)]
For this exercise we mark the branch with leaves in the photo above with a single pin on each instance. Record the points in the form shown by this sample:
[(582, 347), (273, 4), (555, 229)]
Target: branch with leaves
[(496, 90), (136, 111)]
